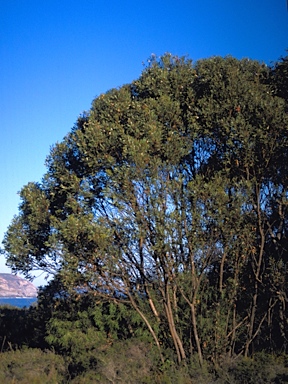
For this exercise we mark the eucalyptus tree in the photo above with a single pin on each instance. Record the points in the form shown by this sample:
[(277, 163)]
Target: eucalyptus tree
[(168, 195), (247, 127)]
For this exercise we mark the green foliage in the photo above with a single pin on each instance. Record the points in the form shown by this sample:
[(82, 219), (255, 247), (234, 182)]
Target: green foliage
[(128, 361), (280, 78), (31, 366), (261, 369), (80, 327), (21, 327), (167, 203)]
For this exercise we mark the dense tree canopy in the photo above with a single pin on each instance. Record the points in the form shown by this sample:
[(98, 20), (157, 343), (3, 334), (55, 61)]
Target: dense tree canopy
[(170, 195)]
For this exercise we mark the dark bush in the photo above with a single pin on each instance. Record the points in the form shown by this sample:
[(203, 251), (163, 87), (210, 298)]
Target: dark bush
[(32, 366)]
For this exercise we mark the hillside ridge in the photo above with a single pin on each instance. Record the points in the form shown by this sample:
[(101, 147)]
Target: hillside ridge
[(15, 286)]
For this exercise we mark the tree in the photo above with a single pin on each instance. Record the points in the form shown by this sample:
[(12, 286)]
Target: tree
[(280, 75), (170, 195)]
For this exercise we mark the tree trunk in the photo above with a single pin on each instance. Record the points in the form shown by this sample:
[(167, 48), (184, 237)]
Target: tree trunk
[(257, 271)]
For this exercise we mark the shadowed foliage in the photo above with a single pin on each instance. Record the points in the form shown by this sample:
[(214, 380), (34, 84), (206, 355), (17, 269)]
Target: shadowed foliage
[(167, 204)]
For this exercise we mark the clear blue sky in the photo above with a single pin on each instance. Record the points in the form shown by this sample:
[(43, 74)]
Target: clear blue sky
[(57, 55)]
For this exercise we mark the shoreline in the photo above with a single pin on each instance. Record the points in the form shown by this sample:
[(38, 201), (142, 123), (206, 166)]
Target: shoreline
[(18, 297)]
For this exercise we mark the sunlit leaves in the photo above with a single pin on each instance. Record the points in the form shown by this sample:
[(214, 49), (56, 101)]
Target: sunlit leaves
[(171, 194)]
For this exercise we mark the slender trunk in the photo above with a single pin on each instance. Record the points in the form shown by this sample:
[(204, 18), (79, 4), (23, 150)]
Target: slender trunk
[(217, 337), (252, 320), (195, 333), (195, 283), (192, 306), (233, 334), (172, 328), (151, 303), (257, 273), (234, 310), (146, 321), (222, 273)]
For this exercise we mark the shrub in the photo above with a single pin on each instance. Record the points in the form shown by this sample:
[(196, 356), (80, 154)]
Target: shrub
[(31, 366)]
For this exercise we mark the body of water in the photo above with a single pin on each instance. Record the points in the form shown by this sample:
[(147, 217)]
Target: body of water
[(19, 302)]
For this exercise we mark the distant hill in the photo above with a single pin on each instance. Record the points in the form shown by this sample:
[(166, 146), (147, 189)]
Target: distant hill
[(15, 286)]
